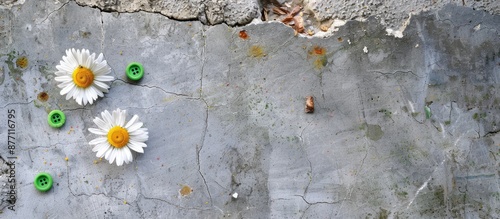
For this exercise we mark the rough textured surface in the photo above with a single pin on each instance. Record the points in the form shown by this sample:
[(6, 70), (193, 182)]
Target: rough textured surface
[(226, 115), (207, 11), (392, 14)]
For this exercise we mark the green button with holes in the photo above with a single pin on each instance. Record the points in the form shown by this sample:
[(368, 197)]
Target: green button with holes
[(43, 182), (56, 118), (135, 71)]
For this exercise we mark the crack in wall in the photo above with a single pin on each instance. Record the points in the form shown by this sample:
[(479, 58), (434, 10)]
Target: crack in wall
[(172, 204), (151, 87), (397, 72), (318, 202), (17, 103), (199, 147), (351, 189), (89, 195), (50, 13), (203, 61), (103, 32)]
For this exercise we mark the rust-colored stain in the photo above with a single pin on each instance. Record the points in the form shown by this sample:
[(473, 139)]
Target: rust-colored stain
[(243, 34), (318, 50), (42, 96), (185, 190), (320, 62), (22, 62), (256, 51), (319, 55)]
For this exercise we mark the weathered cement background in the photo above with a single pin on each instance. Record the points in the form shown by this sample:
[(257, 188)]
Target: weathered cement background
[(226, 115), (392, 14)]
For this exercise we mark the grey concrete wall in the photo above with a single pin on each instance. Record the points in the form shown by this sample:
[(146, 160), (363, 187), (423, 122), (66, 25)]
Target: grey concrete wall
[(226, 115), (392, 14)]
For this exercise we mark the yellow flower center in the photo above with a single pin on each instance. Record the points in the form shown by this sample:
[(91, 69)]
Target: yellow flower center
[(83, 77), (118, 137)]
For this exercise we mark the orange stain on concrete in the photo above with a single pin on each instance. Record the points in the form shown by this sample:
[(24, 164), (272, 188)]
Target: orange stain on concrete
[(243, 34), (22, 62), (185, 190), (256, 51)]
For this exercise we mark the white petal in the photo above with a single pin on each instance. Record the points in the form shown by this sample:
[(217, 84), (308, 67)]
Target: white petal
[(128, 155), (86, 59), (135, 126), (98, 131), (139, 138), (120, 156), (88, 96), (101, 86), (70, 94), (78, 95), (92, 61), (113, 155), (100, 148), (104, 150), (142, 144), (102, 71), (70, 62), (121, 118), (108, 152), (136, 146), (65, 68), (71, 58), (141, 131), (98, 141), (65, 84), (84, 97), (64, 78), (67, 89), (99, 58), (100, 68), (102, 124), (131, 122), (107, 117), (69, 66), (78, 56), (104, 78), (115, 115), (62, 73), (98, 93)]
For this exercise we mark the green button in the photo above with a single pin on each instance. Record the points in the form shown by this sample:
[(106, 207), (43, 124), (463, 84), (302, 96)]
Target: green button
[(43, 182), (56, 118), (135, 71)]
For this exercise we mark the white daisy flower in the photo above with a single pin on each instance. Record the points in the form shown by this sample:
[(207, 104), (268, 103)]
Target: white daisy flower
[(117, 137), (82, 76)]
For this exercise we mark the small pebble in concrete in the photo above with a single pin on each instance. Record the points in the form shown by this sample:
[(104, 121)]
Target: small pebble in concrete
[(309, 104)]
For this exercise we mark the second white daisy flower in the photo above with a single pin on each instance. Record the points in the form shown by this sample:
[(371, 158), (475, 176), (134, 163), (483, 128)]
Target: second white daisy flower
[(118, 138), (82, 76)]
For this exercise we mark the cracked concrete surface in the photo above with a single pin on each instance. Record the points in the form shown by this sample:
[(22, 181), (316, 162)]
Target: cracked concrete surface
[(392, 14), (226, 114)]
